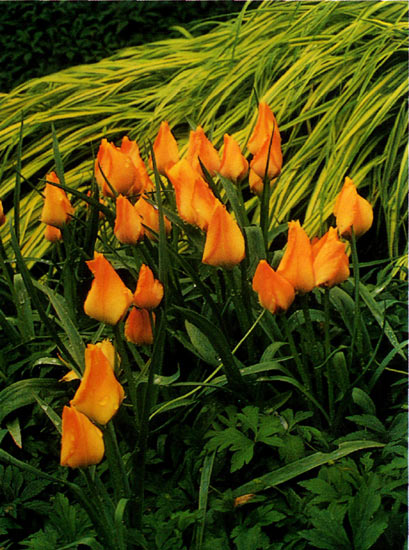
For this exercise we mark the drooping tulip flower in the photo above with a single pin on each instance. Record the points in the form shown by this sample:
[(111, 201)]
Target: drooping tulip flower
[(150, 218), (99, 394), (128, 227), (165, 149), (265, 124), (330, 262), (82, 442), (275, 293), (2, 216), (52, 234), (194, 199), (149, 291), (144, 182), (118, 166), (234, 165), (224, 245), (109, 351), (108, 298), (200, 146), (57, 209), (352, 210), (265, 164), (296, 264), (138, 328)]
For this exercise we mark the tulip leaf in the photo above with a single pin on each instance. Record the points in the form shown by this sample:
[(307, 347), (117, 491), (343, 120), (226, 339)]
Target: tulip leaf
[(379, 316), (255, 247), (299, 467), (23, 393), (202, 344), (77, 346), (52, 415), (23, 306), (14, 429)]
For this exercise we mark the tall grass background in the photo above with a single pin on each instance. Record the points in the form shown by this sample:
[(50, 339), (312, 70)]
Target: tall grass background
[(334, 73)]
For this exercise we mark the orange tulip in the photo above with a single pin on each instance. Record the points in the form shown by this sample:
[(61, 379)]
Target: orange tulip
[(275, 159), (149, 291), (57, 209), (255, 182), (150, 218), (194, 199), (52, 234), (117, 164), (234, 166), (331, 264), (128, 225), (224, 244), (109, 351), (99, 394), (144, 182), (82, 442), (165, 149), (352, 210), (266, 123), (138, 328), (108, 298), (296, 264), (275, 293), (2, 216), (200, 147)]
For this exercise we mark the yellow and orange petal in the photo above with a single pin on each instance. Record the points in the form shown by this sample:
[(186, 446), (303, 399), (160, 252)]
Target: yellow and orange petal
[(330, 262), (200, 146), (234, 165), (108, 299), (128, 227), (265, 124), (165, 149), (224, 245), (150, 218), (82, 442), (296, 264), (99, 394), (352, 210), (138, 328), (275, 293), (149, 291), (52, 234), (57, 209)]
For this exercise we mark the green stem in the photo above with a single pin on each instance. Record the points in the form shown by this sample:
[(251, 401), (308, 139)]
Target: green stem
[(356, 340), (132, 388), (156, 362), (116, 465), (327, 347), (313, 344), (301, 367)]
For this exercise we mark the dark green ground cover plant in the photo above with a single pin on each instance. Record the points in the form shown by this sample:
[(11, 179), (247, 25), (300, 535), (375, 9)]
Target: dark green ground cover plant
[(261, 460)]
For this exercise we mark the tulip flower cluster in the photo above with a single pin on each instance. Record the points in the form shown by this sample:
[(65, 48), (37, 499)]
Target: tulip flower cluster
[(97, 399), (321, 262)]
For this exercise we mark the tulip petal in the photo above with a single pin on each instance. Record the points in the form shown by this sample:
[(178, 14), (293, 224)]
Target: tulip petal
[(82, 443), (296, 264)]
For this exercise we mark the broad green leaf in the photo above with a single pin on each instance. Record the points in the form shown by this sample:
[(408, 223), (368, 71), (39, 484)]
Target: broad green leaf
[(23, 393)]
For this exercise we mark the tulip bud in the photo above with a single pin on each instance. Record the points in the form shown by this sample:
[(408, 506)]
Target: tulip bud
[(108, 298), (52, 234), (2, 216), (118, 167), (200, 147), (82, 442), (233, 166), (57, 209), (255, 182), (138, 328), (269, 153), (275, 293), (195, 201), (109, 351), (100, 394), (149, 291), (144, 183), (165, 149), (330, 262), (352, 210), (224, 244), (150, 218), (266, 123), (128, 225), (296, 264)]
